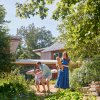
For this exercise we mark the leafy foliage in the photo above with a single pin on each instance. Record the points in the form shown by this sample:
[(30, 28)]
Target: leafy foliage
[(81, 29), (39, 7), (65, 95), (33, 38), (2, 15), (80, 25), (69, 95), (33, 7), (5, 56), (14, 86), (87, 73)]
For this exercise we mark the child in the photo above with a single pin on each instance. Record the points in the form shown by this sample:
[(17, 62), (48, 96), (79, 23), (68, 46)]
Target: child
[(59, 63), (38, 77)]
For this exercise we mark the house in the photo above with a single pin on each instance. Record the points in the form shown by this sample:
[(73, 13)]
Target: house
[(50, 53), (47, 56)]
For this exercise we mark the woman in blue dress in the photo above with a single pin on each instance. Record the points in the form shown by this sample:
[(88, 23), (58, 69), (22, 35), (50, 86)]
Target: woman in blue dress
[(63, 75)]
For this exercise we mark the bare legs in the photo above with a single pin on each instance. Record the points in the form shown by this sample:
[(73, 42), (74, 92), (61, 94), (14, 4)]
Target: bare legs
[(47, 82), (43, 84), (38, 87)]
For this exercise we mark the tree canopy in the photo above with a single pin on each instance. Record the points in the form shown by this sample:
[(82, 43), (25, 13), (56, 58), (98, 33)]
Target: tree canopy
[(34, 38), (33, 7), (80, 22), (5, 57), (81, 28), (39, 7)]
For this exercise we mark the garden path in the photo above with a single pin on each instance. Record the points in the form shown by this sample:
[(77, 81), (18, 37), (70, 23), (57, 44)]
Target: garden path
[(53, 90)]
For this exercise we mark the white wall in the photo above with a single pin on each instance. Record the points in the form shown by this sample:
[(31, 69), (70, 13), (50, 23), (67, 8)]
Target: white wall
[(46, 55)]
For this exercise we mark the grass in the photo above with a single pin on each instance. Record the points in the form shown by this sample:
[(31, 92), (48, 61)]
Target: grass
[(52, 81)]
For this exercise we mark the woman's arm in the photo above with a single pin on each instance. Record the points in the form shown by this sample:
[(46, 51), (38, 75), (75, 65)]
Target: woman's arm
[(65, 65)]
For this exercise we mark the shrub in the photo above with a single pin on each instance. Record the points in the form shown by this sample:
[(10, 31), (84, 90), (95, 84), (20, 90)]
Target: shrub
[(5, 56), (88, 72), (14, 86), (65, 95)]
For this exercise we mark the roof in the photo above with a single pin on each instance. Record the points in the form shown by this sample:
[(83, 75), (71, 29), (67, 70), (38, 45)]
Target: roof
[(38, 50), (54, 47), (33, 61)]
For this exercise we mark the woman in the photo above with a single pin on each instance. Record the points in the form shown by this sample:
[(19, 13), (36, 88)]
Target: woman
[(63, 75)]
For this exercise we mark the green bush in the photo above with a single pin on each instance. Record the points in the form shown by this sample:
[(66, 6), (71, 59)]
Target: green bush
[(93, 68), (69, 95), (14, 86), (65, 95), (5, 56), (88, 72)]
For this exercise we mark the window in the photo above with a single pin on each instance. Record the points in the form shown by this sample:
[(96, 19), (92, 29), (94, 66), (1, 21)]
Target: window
[(57, 54)]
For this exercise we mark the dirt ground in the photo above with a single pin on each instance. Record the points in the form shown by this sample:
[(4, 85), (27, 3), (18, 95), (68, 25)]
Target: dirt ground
[(52, 90)]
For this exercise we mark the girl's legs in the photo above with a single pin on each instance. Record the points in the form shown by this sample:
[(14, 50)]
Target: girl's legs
[(38, 87), (37, 83)]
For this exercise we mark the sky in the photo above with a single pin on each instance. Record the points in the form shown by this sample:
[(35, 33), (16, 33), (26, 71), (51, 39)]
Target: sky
[(17, 22)]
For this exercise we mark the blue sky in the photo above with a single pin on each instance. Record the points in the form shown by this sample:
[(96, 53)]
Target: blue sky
[(16, 22)]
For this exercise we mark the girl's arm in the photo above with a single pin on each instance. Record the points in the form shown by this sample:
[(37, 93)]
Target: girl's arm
[(30, 72), (40, 72)]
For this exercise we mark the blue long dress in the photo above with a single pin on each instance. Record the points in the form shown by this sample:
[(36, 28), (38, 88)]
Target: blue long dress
[(63, 76)]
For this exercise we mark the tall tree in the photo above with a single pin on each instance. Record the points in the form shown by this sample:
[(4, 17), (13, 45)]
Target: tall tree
[(33, 7), (4, 43), (81, 28), (34, 38), (80, 25), (39, 7)]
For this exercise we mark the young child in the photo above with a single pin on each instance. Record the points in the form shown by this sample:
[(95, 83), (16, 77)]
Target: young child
[(59, 63), (38, 77)]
